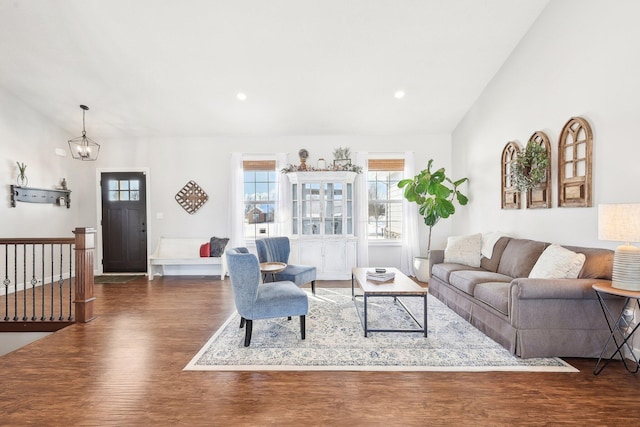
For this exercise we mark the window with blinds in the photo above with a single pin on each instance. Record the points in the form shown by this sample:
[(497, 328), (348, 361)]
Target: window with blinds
[(260, 196), (385, 199)]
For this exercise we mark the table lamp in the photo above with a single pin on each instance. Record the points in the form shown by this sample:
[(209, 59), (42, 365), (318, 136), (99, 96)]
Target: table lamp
[(621, 222)]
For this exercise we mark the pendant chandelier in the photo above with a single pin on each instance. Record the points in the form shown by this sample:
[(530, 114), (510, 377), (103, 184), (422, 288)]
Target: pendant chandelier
[(82, 147)]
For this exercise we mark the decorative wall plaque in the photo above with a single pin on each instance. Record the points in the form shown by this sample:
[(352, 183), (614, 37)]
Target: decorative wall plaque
[(191, 197)]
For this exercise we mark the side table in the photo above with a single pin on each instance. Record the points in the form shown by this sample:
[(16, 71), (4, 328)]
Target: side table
[(618, 335), (271, 268)]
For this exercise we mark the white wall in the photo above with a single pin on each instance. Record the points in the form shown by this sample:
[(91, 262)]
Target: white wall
[(172, 162), (28, 137), (581, 58)]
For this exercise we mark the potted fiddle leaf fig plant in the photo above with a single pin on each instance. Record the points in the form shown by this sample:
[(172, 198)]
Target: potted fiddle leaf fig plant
[(435, 194)]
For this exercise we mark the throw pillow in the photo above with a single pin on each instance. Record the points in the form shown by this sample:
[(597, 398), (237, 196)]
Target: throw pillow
[(205, 250), (464, 250), (217, 246), (557, 262), (489, 240)]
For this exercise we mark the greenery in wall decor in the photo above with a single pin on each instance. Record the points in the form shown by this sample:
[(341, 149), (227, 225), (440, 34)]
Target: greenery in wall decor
[(342, 153), (529, 168), (434, 193), (331, 168)]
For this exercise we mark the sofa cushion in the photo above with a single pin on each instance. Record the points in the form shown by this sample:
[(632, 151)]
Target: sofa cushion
[(466, 280), (557, 262), (598, 265), (491, 264), (443, 270), (519, 257), (494, 294), (464, 250)]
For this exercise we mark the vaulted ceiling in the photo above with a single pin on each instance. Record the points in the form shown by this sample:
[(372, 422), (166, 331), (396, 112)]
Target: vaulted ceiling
[(175, 68)]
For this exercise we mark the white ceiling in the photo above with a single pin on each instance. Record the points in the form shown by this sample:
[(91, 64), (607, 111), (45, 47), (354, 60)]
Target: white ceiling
[(173, 68)]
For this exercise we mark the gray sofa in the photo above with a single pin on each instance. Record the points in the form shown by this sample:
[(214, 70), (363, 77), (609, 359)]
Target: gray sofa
[(529, 317)]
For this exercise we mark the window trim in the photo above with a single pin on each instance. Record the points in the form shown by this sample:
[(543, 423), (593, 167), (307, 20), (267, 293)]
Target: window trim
[(260, 165), (386, 164)]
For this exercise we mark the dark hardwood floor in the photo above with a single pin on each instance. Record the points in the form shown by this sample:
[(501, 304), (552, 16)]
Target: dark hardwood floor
[(125, 369)]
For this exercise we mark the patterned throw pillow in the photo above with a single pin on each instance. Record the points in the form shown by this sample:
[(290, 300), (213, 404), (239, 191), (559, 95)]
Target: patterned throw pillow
[(217, 246)]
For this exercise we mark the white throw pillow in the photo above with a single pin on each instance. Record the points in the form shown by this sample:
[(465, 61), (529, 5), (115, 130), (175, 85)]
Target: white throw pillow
[(489, 240), (557, 262), (464, 250)]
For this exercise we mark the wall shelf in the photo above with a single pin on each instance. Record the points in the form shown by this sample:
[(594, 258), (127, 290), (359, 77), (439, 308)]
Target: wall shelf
[(40, 195)]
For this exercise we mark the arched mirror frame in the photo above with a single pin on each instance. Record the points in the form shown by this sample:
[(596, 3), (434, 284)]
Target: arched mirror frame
[(510, 196), (540, 196), (575, 164)]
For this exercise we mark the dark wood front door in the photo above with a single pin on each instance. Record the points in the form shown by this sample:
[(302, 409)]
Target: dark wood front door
[(124, 222)]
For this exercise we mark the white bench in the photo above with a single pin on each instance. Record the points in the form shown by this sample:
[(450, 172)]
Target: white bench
[(181, 256)]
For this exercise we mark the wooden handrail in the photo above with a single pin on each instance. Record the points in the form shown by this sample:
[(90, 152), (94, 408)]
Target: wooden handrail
[(38, 240)]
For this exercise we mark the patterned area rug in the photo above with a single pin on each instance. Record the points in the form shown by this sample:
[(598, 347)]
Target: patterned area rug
[(335, 341)]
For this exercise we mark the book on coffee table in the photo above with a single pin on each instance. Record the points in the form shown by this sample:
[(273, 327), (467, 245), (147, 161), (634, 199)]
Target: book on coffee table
[(380, 277)]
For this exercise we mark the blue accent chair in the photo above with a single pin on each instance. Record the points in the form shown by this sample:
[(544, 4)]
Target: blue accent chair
[(277, 249), (254, 302)]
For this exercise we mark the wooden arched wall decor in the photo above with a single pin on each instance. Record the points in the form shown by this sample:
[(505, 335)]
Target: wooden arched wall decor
[(540, 195), (510, 196), (575, 160)]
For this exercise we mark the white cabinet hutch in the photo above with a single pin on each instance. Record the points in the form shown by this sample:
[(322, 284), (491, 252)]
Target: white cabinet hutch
[(323, 221)]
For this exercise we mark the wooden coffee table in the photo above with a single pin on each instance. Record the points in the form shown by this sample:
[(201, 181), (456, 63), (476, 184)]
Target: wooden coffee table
[(401, 286)]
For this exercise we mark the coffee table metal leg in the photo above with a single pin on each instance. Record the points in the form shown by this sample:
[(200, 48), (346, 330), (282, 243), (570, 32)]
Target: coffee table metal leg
[(353, 291), (365, 316), (424, 325)]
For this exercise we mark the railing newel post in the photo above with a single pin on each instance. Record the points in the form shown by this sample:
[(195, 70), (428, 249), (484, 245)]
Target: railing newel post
[(84, 247)]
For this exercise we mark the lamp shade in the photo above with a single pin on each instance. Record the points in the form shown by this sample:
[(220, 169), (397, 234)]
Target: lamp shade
[(621, 222)]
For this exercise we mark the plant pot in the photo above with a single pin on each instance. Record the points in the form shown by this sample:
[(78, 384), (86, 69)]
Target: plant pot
[(421, 268), (22, 180)]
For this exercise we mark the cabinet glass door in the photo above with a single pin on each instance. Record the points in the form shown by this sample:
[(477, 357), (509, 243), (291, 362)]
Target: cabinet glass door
[(333, 208), (311, 209), (349, 206), (294, 212)]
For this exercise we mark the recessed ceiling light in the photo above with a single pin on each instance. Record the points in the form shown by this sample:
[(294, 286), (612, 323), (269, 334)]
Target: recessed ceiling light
[(399, 94), (241, 96)]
